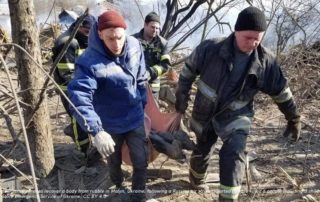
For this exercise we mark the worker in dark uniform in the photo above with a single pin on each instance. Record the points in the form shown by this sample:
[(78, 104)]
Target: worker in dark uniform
[(64, 72), (155, 51), (231, 71)]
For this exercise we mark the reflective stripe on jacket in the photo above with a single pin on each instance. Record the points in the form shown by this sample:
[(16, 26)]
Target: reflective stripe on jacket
[(65, 68), (155, 52), (212, 62)]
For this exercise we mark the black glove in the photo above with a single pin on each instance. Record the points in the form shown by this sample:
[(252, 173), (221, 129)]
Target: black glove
[(289, 109), (293, 129), (153, 73)]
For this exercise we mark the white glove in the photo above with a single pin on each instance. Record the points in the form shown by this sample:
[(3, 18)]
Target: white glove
[(104, 143)]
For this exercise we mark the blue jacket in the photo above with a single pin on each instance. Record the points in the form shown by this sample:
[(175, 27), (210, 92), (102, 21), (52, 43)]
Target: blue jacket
[(109, 91)]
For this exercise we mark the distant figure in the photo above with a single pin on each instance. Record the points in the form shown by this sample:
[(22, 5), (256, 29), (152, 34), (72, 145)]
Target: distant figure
[(109, 90), (67, 16), (65, 69), (231, 72), (155, 51)]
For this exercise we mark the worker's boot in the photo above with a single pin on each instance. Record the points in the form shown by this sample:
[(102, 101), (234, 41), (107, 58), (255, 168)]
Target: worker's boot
[(69, 131), (198, 184), (221, 199)]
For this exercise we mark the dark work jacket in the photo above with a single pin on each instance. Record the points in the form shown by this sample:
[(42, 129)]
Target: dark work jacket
[(212, 62), (65, 68), (155, 52)]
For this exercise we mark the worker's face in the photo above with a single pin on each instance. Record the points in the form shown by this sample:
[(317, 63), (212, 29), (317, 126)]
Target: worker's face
[(151, 29), (248, 40), (113, 38), (84, 30)]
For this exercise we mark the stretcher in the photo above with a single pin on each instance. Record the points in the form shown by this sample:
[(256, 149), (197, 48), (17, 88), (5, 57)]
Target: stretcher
[(158, 121)]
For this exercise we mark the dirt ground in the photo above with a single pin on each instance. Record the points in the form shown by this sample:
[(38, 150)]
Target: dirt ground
[(280, 171)]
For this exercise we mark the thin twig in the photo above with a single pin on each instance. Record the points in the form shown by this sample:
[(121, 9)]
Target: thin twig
[(21, 173), (23, 128), (11, 128), (291, 180), (162, 163), (51, 79), (248, 180), (139, 9), (7, 94), (52, 8)]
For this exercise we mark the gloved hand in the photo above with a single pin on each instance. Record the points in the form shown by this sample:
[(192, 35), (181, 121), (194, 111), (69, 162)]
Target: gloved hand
[(104, 143), (153, 73), (293, 129)]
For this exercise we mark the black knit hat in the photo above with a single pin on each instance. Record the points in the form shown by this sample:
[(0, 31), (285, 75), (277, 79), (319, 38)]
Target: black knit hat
[(88, 21), (251, 18), (152, 17)]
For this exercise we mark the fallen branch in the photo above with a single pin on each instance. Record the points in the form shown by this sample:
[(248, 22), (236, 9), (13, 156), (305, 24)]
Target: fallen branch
[(23, 129), (289, 178), (10, 96), (21, 173), (13, 133)]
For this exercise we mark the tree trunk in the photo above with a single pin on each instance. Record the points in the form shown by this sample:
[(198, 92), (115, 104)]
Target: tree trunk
[(26, 34)]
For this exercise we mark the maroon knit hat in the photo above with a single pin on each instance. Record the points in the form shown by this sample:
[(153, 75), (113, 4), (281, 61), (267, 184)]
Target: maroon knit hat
[(110, 19)]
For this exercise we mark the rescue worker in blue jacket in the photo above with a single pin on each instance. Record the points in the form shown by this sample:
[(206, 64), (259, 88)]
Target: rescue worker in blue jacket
[(109, 90), (64, 72), (231, 71), (156, 52)]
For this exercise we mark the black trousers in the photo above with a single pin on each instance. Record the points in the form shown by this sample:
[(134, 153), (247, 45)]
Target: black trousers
[(231, 158), (138, 150)]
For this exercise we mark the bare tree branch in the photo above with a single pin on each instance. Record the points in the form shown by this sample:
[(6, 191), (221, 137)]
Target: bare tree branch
[(23, 129), (187, 34)]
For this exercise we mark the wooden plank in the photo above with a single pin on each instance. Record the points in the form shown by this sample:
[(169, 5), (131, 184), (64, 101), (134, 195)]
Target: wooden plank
[(159, 173)]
